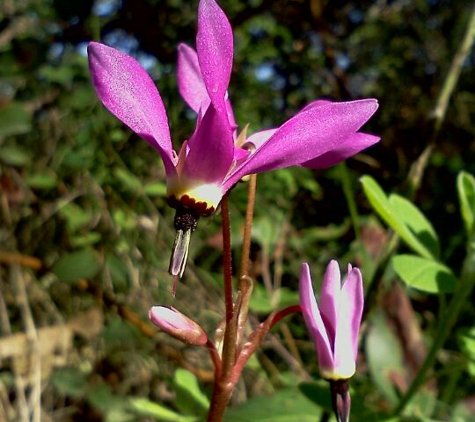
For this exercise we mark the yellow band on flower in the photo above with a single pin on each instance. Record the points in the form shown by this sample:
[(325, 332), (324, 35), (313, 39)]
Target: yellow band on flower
[(203, 199)]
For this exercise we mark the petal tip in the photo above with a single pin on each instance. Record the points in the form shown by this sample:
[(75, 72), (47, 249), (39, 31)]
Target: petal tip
[(94, 47)]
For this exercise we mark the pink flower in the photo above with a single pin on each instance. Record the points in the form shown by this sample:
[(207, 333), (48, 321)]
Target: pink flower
[(177, 325), (335, 324), (215, 158)]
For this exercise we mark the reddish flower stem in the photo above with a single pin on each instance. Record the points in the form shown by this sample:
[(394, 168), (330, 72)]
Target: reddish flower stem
[(283, 313), (227, 258), (222, 387), (246, 243), (219, 402), (230, 332), (227, 371), (215, 358), (256, 338)]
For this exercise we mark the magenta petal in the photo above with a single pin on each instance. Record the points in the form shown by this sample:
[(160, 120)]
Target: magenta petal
[(128, 92), (211, 149), (349, 147), (214, 44), (353, 303), (230, 114), (308, 135), (329, 299), (240, 154), (190, 80), (316, 103), (314, 321)]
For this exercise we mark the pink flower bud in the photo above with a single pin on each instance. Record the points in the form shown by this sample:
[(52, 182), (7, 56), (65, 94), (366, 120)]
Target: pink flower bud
[(334, 323), (177, 325)]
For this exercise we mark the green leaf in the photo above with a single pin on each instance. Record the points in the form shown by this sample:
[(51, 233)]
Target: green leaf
[(101, 397), (128, 180), (190, 398), (318, 392), (381, 204), (70, 381), (288, 405), (124, 219), (155, 189), (75, 216), (87, 239), (423, 403), (14, 120), (160, 413), (385, 357), (118, 333), (424, 274), (417, 222), (15, 155), (62, 75), (466, 192), (322, 233), (75, 266), (261, 303), (467, 344), (266, 231), (462, 412), (46, 180), (118, 271), (120, 414)]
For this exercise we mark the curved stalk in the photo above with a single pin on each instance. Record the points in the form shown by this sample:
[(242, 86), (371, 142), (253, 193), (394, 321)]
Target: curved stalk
[(246, 242)]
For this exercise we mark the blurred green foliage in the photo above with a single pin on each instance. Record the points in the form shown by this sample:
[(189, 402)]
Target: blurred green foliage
[(84, 224)]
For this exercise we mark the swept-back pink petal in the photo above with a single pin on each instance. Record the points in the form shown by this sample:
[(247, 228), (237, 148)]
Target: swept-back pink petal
[(191, 84), (129, 93), (214, 44), (313, 320), (211, 149), (316, 103), (309, 134), (190, 80), (349, 147), (330, 296)]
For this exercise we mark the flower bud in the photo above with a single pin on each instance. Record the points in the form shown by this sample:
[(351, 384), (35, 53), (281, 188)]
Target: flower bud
[(334, 324), (177, 325)]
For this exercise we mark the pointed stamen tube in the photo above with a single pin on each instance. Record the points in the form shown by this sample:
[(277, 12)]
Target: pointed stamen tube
[(179, 253), (186, 222)]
